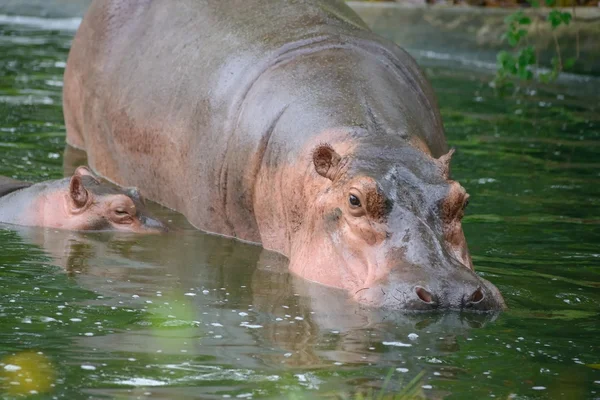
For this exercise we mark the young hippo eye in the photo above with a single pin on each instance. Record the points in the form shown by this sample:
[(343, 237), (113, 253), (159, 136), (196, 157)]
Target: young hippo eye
[(122, 216), (354, 201)]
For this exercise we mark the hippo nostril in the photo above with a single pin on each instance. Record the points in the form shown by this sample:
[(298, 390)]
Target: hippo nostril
[(477, 296), (424, 295)]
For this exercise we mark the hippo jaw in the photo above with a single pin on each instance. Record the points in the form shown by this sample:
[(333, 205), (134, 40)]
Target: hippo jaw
[(391, 238)]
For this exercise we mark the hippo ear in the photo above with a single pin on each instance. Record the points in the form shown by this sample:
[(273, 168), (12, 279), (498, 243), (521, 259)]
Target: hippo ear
[(78, 192), (135, 194), (444, 162), (326, 160), (83, 171)]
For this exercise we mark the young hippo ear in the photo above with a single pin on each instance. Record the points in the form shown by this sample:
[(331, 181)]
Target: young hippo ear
[(326, 160), (83, 171), (78, 192)]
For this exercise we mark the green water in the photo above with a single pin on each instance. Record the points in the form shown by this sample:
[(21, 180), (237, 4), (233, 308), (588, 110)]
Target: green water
[(188, 315)]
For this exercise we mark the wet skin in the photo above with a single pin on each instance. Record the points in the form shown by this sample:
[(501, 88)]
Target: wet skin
[(288, 124), (80, 203)]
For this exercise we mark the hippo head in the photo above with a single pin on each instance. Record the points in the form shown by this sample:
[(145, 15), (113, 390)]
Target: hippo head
[(93, 205), (389, 223)]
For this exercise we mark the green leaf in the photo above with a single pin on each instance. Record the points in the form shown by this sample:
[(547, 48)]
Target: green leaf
[(514, 37), (517, 18), (534, 3), (570, 62), (525, 74), (550, 3), (566, 17), (507, 61), (525, 20), (502, 55), (526, 56), (555, 18)]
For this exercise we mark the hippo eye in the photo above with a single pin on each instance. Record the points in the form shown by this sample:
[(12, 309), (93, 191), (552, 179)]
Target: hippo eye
[(354, 201), (122, 216)]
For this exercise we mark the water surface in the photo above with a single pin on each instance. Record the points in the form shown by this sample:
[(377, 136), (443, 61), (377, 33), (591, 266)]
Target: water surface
[(189, 315)]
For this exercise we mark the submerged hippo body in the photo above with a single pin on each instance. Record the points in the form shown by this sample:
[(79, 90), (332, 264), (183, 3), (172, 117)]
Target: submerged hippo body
[(286, 123), (80, 203)]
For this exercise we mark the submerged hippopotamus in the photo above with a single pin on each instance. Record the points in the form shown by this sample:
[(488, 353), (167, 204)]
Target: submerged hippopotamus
[(286, 123), (80, 203)]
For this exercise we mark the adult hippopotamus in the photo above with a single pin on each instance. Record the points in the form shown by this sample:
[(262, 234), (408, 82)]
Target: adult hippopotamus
[(80, 203), (286, 123)]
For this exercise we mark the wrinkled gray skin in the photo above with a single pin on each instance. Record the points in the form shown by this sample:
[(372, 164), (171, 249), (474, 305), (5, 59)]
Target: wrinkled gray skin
[(258, 119)]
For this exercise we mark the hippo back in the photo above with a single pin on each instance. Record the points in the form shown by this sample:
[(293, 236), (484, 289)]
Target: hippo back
[(152, 90)]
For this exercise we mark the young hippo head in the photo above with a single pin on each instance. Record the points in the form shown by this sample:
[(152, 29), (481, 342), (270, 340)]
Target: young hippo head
[(87, 204), (386, 226)]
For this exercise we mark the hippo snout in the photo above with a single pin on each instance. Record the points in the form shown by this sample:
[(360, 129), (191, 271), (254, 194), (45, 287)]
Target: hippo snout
[(480, 298), (474, 294)]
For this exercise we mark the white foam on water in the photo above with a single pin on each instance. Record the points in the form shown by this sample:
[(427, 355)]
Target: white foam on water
[(250, 326), (63, 24), (141, 382), (397, 344), (491, 66), (26, 100)]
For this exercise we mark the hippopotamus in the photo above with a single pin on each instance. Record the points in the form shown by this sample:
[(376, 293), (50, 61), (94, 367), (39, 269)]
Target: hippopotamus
[(284, 123), (80, 203)]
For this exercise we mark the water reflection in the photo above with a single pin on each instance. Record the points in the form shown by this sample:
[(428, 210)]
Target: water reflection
[(207, 296)]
